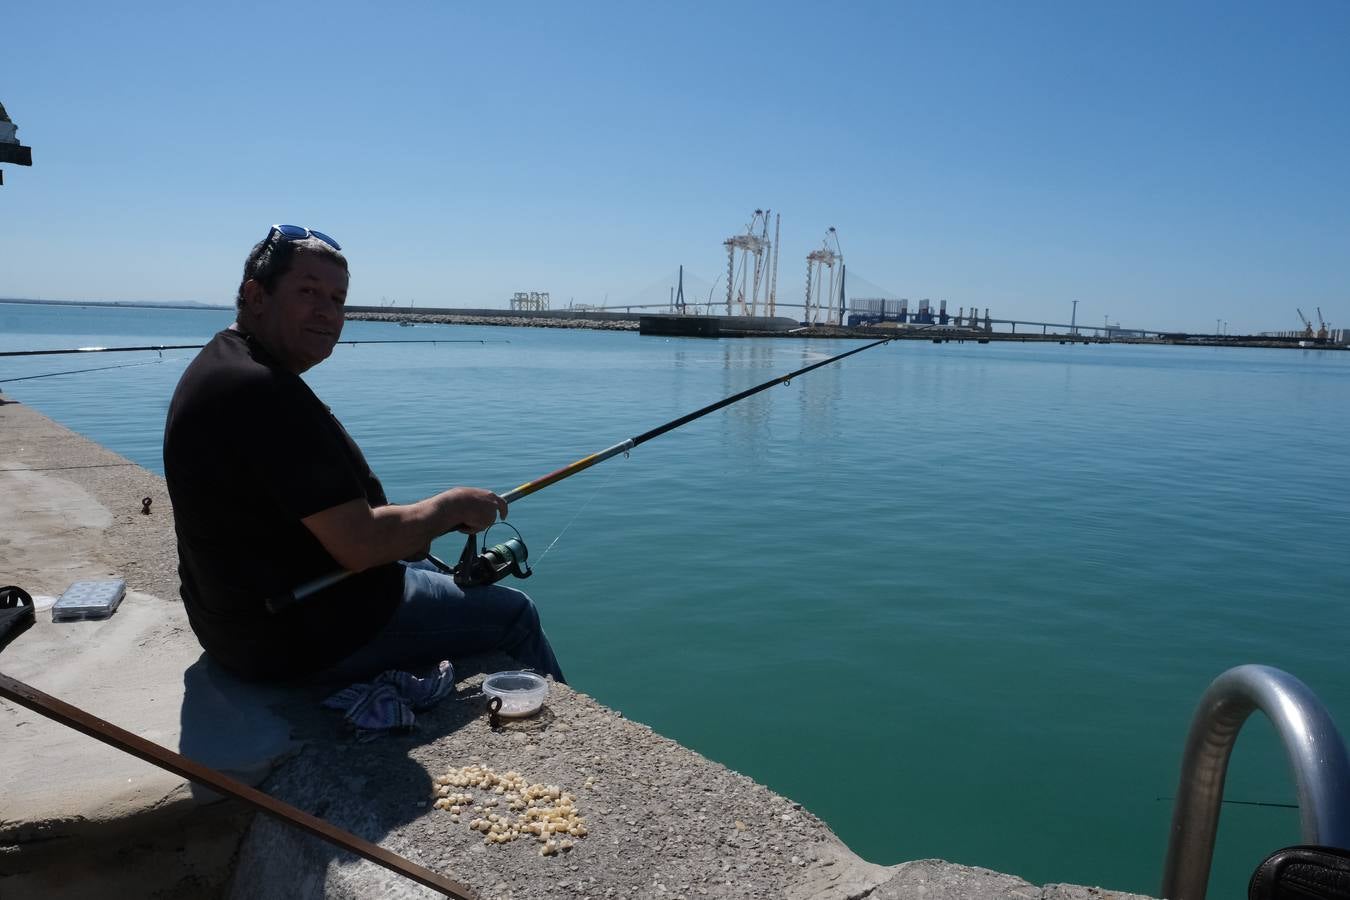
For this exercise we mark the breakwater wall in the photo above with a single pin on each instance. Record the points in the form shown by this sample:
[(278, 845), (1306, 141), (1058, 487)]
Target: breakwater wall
[(606, 321)]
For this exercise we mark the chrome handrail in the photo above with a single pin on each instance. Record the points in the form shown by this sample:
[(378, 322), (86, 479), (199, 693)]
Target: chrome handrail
[(1316, 753)]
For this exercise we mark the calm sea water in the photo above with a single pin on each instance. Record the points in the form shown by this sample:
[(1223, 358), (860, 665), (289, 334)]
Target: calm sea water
[(958, 600)]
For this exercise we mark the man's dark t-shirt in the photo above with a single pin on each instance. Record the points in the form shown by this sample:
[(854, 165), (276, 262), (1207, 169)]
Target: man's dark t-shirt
[(249, 451)]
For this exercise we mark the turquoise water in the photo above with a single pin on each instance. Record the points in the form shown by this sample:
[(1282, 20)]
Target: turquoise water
[(958, 600)]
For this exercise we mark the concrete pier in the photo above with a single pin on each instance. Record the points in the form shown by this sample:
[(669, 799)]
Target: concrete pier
[(80, 819)]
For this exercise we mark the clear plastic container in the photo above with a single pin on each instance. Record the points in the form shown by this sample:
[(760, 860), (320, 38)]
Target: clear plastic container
[(522, 693)]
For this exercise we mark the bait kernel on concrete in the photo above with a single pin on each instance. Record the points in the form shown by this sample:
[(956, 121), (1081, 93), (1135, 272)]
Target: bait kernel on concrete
[(546, 811)]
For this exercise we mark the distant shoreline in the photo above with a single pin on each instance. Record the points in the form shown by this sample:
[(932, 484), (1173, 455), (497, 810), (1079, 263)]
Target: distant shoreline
[(139, 304), (614, 321), (506, 318), (628, 321)]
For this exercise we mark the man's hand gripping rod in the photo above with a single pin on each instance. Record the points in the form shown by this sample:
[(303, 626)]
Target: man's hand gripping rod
[(326, 581), (276, 604)]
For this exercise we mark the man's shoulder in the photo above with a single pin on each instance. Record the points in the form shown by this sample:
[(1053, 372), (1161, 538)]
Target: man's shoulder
[(224, 389), (226, 368)]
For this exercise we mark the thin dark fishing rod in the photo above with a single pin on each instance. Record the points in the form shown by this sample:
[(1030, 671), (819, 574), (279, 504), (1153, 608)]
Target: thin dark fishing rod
[(586, 462), (529, 487), (78, 371), (101, 350), (1253, 803), (713, 407), (151, 347)]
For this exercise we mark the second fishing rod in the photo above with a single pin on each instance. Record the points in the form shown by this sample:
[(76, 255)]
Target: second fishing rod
[(509, 558)]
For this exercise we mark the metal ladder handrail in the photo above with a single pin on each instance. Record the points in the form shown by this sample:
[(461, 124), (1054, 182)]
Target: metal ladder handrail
[(1316, 753)]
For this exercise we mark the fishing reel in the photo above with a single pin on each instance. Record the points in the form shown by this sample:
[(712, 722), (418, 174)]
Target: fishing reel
[(510, 557)]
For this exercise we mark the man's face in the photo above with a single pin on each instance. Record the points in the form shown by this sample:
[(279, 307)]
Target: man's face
[(301, 320)]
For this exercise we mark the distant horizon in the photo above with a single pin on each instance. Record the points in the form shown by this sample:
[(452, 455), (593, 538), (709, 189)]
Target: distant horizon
[(196, 305), (176, 304), (692, 301)]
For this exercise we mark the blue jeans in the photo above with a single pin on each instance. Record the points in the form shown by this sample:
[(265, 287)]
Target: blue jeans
[(439, 620)]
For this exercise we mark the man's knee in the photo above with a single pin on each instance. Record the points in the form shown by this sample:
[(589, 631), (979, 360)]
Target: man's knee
[(524, 607), (521, 616)]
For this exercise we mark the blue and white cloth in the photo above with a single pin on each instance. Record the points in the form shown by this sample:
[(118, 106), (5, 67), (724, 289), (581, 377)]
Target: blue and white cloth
[(388, 703)]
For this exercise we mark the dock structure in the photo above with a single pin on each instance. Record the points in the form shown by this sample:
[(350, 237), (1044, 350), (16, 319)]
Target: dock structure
[(530, 301), (714, 326), (82, 819), (11, 151)]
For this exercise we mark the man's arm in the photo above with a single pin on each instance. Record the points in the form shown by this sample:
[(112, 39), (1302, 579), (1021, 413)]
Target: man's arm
[(359, 536)]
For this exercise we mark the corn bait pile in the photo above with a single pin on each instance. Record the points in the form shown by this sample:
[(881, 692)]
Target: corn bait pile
[(542, 810)]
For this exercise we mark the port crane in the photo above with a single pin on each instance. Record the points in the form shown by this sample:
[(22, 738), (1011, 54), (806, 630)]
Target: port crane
[(754, 276), (821, 298), (1307, 326), (1322, 330)]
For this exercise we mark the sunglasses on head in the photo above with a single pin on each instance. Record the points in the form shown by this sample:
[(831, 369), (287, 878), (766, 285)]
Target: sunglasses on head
[(297, 233)]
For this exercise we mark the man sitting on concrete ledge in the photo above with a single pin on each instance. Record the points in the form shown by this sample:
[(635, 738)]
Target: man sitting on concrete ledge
[(270, 492)]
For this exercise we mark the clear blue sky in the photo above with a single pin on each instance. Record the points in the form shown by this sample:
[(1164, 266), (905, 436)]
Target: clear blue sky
[(1167, 164)]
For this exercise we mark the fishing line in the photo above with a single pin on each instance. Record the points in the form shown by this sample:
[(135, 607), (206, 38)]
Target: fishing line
[(150, 347), (66, 468), (281, 601), (162, 347), (78, 371), (595, 493)]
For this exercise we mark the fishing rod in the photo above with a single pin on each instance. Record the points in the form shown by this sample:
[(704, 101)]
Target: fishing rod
[(200, 346), (78, 371), (1270, 803), (508, 558)]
